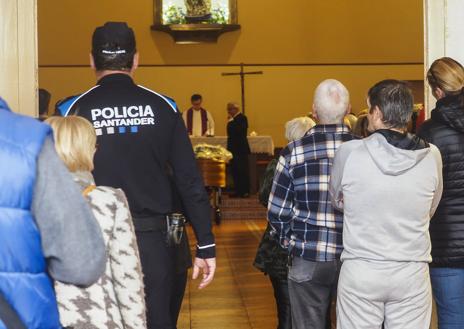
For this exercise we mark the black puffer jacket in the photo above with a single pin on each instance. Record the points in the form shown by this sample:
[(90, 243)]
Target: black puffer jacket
[(445, 129)]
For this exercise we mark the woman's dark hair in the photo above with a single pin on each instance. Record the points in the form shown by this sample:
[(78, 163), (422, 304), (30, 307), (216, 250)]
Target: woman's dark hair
[(360, 128)]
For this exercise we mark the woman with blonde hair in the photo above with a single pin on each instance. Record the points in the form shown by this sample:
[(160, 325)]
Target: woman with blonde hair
[(117, 299), (271, 258), (445, 129)]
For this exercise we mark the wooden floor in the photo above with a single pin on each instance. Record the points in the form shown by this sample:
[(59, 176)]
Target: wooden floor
[(240, 297)]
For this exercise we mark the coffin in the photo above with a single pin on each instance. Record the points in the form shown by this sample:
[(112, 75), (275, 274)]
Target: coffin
[(213, 172)]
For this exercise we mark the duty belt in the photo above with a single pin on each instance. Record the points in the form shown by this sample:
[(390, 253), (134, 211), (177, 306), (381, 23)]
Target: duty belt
[(155, 223), (171, 225)]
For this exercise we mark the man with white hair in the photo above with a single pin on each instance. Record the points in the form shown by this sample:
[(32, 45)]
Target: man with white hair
[(301, 212)]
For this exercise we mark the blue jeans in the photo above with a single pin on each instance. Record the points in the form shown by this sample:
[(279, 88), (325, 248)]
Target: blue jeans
[(448, 290)]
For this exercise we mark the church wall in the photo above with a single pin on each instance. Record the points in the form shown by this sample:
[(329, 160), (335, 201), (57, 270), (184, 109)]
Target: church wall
[(319, 36), (279, 95)]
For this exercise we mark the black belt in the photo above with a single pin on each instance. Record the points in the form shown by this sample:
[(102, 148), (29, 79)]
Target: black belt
[(153, 223)]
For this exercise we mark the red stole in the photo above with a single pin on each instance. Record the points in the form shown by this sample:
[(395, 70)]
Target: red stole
[(204, 120)]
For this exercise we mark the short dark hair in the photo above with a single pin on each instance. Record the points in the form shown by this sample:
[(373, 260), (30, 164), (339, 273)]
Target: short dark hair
[(196, 97), (395, 101), (44, 101), (113, 62)]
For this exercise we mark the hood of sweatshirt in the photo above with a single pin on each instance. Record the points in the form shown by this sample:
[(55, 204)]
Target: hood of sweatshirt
[(395, 153)]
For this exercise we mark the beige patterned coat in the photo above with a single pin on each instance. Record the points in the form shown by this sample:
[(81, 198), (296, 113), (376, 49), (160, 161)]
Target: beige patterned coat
[(116, 300)]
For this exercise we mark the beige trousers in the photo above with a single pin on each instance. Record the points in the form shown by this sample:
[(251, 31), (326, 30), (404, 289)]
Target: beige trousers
[(372, 293)]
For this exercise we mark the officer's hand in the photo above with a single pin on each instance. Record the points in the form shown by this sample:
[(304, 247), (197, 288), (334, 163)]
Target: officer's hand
[(208, 267)]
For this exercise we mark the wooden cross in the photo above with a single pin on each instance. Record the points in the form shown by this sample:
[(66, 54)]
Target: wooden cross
[(242, 74)]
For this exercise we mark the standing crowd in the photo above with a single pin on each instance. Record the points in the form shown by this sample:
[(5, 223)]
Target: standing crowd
[(93, 206), (370, 218)]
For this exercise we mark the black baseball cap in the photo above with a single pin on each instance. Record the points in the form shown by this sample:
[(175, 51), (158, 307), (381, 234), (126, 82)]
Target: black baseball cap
[(113, 38)]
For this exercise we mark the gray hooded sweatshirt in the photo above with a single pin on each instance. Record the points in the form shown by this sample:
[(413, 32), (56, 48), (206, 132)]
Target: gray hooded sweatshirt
[(388, 195)]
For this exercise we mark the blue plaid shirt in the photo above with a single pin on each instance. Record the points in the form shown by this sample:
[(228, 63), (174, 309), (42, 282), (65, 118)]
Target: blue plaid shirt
[(299, 208)]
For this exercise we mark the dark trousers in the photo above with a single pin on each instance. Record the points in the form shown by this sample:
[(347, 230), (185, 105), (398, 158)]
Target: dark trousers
[(164, 279), (240, 173), (283, 302), (312, 286)]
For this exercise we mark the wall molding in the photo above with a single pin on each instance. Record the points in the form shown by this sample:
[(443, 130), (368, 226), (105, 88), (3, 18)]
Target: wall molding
[(245, 64)]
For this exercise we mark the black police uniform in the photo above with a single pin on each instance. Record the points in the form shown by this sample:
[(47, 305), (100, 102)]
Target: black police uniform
[(142, 147)]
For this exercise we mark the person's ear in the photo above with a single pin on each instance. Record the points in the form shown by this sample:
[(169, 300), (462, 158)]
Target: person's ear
[(348, 109), (92, 62), (439, 93), (135, 62), (315, 113), (377, 114), (375, 119)]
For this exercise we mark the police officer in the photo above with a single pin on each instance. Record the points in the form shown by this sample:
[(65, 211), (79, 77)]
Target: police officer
[(143, 146)]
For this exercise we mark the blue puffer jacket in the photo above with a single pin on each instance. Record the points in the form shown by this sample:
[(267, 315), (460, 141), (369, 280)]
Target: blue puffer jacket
[(23, 278)]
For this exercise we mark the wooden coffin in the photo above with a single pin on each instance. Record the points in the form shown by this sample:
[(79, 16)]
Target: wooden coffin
[(214, 172)]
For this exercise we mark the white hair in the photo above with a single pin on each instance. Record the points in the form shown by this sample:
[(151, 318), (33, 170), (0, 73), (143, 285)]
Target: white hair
[(331, 101), (296, 128)]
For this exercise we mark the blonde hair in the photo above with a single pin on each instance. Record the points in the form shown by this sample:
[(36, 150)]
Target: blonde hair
[(296, 128), (74, 141), (447, 74), (350, 120)]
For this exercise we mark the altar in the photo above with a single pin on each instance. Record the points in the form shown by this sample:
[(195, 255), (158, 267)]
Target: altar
[(258, 144)]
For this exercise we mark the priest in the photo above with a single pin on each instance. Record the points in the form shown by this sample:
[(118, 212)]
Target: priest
[(198, 121)]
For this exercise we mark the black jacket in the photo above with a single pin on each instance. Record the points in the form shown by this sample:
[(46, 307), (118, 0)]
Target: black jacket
[(140, 137), (445, 129), (271, 258), (237, 141)]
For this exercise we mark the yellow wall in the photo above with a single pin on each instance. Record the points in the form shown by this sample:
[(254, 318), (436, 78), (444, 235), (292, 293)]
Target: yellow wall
[(303, 32)]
